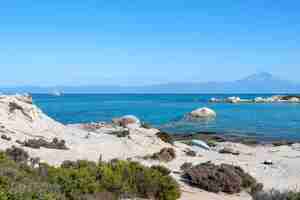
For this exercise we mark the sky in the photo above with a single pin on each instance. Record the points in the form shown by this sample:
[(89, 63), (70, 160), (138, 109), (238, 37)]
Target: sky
[(137, 42)]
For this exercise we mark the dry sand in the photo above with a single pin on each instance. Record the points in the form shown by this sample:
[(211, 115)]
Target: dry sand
[(21, 120)]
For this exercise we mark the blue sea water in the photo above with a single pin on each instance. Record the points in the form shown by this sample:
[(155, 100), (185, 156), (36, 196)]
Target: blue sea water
[(166, 111)]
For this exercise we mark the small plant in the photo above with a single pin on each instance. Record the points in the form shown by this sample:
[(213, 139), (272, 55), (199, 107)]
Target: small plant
[(185, 166), (4, 137), (17, 154), (165, 137), (38, 143), (212, 143), (124, 133), (191, 153), (165, 155), (82, 180)]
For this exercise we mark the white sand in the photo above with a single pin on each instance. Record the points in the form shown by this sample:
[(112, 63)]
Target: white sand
[(30, 122)]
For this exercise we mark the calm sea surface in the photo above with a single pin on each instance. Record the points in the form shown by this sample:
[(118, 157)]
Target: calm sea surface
[(166, 111)]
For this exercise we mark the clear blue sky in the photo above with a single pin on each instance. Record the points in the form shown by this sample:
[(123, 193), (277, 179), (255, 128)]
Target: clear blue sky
[(143, 42)]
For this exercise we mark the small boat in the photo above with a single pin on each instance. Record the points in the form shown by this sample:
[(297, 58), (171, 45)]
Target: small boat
[(56, 93)]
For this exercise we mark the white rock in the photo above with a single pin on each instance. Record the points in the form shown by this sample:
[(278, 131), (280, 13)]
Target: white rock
[(259, 100), (201, 144), (203, 113), (233, 99), (294, 100)]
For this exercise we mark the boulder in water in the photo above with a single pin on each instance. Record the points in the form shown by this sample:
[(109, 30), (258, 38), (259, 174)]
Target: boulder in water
[(202, 113), (233, 99)]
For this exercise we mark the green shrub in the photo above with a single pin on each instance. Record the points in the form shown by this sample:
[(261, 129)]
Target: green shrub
[(82, 180), (161, 169)]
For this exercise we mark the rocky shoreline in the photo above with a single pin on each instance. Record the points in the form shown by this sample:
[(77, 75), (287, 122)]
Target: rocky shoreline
[(272, 99), (24, 125)]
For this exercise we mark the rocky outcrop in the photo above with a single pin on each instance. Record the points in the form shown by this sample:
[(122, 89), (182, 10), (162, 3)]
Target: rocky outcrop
[(233, 99), (127, 121), (272, 99)]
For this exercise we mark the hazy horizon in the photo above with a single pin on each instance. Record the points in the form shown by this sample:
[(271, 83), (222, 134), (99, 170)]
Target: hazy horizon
[(146, 43)]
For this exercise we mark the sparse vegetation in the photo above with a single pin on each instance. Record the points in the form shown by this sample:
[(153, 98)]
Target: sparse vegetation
[(185, 166), (120, 134), (276, 195), (191, 153), (146, 125), (38, 143), (81, 180)]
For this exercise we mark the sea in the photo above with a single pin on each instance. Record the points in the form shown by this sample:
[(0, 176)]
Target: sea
[(167, 111)]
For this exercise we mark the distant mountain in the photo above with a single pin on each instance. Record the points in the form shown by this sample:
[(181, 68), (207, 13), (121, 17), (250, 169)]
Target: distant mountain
[(255, 83)]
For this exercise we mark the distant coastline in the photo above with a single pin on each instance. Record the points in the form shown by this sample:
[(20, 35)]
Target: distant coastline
[(254, 84)]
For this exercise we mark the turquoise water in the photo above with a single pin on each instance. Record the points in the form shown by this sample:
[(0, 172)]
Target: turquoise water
[(166, 111)]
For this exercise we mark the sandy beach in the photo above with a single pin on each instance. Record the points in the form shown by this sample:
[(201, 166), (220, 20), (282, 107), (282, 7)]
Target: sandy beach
[(21, 120)]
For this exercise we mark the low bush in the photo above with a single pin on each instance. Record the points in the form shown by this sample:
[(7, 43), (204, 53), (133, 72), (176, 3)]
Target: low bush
[(165, 155), (165, 137), (17, 154), (276, 195), (5, 137), (191, 153), (186, 166), (120, 134), (165, 171), (82, 180), (38, 143), (219, 178)]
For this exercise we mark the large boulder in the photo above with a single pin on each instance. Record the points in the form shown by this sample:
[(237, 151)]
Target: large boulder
[(202, 113), (127, 121)]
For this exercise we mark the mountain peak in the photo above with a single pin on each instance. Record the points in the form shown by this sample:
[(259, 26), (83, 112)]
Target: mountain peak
[(263, 76)]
